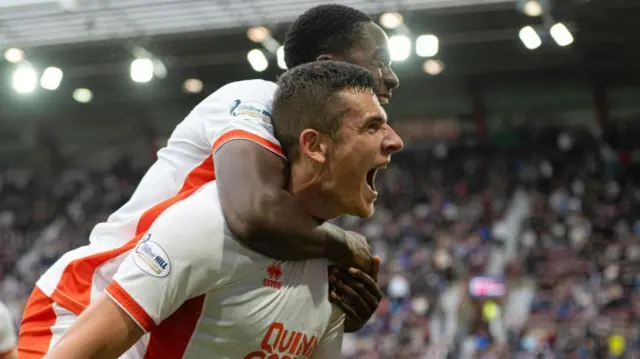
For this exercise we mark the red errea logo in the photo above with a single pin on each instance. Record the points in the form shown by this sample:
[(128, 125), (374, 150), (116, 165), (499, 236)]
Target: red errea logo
[(280, 343), (274, 272)]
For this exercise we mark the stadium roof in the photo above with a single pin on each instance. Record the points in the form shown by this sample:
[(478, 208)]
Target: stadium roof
[(28, 23), (479, 45)]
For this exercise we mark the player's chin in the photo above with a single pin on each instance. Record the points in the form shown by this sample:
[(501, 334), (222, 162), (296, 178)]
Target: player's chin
[(366, 208)]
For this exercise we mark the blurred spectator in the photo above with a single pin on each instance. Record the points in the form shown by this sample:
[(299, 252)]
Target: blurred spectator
[(445, 216)]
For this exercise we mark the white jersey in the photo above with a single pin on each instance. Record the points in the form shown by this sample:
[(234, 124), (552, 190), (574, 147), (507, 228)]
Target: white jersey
[(199, 293), (7, 331), (240, 110)]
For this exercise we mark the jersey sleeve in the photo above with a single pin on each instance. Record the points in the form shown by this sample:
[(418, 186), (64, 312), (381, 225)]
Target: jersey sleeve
[(7, 331), (179, 258), (240, 111), (330, 346)]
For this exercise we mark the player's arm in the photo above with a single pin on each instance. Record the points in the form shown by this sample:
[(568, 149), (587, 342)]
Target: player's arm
[(252, 174), (330, 346), (262, 214), (179, 258), (103, 331), (8, 338)]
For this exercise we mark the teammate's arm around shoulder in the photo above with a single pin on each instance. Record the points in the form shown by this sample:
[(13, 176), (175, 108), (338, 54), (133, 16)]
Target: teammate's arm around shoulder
[(262, 214), (252, 175)]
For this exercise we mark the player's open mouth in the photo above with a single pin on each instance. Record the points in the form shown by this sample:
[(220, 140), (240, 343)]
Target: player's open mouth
[(371, 179)]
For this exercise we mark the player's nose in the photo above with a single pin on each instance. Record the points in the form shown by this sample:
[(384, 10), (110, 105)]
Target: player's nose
[(392, 142), (390, 79)]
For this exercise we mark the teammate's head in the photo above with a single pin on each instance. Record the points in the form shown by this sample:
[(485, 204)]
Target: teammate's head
[(342, 33), (336, 135)]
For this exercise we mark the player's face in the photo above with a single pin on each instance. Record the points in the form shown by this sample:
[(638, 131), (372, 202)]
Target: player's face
[(365, 144), (371, 51)]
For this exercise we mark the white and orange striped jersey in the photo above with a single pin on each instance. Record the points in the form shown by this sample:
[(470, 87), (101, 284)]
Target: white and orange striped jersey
[(7, 332), (240, 110), (199, 293)]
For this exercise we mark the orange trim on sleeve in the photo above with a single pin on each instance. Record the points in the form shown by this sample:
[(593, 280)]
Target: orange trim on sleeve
[(244, 135), (132, 307)]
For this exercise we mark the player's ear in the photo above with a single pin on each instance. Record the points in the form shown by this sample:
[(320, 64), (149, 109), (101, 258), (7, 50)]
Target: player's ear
[(313, 145)]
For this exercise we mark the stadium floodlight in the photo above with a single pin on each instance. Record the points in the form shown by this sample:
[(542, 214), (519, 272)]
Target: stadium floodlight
[(51, 78), (192, 86), (257, 60), (399, 47), (141, 70), (82, 95), (530, 38), (258, 34), (24, 79), (433, 67), (427, 45), (280, 56), (532, 8), (13, 55), (391, 20), (561, 34)]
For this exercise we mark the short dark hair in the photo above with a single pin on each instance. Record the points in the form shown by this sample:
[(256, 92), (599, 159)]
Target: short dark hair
[(324, 29), (307, 97)]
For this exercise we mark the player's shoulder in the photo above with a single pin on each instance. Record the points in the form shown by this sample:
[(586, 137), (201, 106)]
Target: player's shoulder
[(196, 219), (246, 90), (252, 85), (194, 233), (252, 97)]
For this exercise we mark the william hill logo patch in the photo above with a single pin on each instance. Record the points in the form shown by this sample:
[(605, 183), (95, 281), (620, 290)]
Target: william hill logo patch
[(250, 109), (151, 258)]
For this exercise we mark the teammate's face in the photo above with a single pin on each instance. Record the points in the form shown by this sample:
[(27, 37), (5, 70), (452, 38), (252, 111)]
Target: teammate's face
[(371, 51), (365, 144)]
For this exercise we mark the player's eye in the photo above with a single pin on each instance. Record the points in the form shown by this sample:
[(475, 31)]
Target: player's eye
[(373, 127), (381, 64)]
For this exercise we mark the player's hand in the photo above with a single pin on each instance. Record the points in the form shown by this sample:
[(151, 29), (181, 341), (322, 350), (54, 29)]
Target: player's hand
[(356, 293), (359, 253)]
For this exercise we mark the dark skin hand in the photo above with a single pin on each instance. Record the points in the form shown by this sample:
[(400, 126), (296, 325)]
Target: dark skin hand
[(356, 293)]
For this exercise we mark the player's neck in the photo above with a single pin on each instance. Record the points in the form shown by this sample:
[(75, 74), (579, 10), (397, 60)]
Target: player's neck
[(307, 188)]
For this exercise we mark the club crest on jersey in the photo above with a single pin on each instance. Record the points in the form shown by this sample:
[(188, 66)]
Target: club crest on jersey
[(274, 272), (151, 258), (250, 109)]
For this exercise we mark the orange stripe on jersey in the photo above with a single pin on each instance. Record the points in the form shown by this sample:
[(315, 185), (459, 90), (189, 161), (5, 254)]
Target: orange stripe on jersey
[(74, 289), (35, 328), (170, 339), (131, 306), (240, 134), (199, 176)]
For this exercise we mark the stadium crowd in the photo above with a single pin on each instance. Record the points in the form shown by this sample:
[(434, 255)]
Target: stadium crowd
[(556, 219)]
